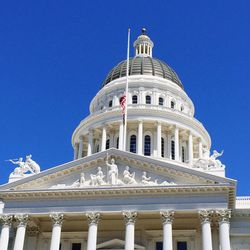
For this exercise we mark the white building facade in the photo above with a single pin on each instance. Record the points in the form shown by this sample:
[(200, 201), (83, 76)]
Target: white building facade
[(164, 190)]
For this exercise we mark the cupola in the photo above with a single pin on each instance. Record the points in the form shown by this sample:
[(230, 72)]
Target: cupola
[(143, 45)]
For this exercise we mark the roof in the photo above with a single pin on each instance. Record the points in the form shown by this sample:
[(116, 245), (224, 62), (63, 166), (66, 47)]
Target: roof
[(140, 65)]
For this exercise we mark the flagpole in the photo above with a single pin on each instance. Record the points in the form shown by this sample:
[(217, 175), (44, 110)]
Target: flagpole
[(126, 94)]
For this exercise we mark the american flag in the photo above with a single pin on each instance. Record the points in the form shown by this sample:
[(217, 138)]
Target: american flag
[(123, 106)]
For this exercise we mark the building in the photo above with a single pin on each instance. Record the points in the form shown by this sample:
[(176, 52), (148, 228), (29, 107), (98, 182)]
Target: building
[(161, 189)]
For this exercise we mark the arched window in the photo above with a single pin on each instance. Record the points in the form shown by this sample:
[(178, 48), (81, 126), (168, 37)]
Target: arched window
[(132, 144), (117, 142), (162, 147), (148, 99), (182, 154), (134, 99), (172, 150), (182, 108), (172, 104), (161, 101), (107, 144), (110, 103), (147, 145)]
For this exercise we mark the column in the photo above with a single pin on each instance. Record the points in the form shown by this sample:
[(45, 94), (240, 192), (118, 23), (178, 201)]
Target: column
[(176, 143), (140, 138), (90, 143), (158, 136), (224, 217), (76, 148), (121, 136), (22, 220), (104, 138), (80, 149), (167, 220), (5, 233), (93, 219), (190, 148), (130, 218), (205, 218), (57, 220), (200, 149)]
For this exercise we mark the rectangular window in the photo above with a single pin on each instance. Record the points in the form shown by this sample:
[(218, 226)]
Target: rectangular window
[(159, 245), (181, 245), (172, 150), (76, 246)]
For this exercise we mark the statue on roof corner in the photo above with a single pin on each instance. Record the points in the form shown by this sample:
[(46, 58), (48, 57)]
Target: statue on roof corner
[(208, 161), (24, 167)]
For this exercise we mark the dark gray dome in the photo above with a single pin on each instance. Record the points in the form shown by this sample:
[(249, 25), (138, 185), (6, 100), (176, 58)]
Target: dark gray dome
[(140, 65)]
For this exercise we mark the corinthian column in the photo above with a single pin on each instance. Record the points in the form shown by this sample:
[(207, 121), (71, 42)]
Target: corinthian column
[(206, 217), (5, 233), (22, 220), (93, 219), (224, 217), (167, 220), (130, 218), (57, 220)]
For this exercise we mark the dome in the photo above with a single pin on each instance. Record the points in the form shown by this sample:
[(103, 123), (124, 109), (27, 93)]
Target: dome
[(141, 65)]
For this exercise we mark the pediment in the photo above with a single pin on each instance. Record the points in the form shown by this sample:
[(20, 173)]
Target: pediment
[(92, 172), (116, 244)]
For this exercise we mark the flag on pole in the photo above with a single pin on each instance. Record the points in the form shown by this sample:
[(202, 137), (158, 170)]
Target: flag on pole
[(123, 106)]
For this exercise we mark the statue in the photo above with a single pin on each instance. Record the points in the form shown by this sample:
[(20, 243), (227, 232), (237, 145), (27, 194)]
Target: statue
[(112, 172), (97, 180), (147, 180), (35, 168), (208, 161), (28, 166), (128, 178)]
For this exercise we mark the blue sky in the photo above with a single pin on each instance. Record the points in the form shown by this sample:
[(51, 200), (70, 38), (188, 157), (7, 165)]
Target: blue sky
[(54, 56)]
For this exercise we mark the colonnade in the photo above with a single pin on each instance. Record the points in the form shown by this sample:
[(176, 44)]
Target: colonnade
[(130, 217), (173, 134)]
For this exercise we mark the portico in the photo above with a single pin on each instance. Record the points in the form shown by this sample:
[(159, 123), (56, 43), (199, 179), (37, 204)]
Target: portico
[(90, 229)]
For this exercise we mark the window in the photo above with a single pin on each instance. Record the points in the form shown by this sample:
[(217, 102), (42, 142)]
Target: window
[(97, 148), (134, 99), (181, 245), (183, 154), (172, 104), (110, 103), (107, 144), (162, 147), (148, 99), (182, 108), (161, 101), (133, 144), (159, 245), (147, 145), (76, 246), (117, 142), (172, 150)]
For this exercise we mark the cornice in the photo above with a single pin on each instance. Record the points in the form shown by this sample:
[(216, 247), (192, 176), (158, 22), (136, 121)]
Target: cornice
[(95, 193)]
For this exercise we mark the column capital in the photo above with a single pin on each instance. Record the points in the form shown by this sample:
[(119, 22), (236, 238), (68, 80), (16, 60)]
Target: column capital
[(167, 216), (81, 138), (223, 215), (93, 217), (57, 219), (6, 219), (129, 217), (206, 216), (22, 219)]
